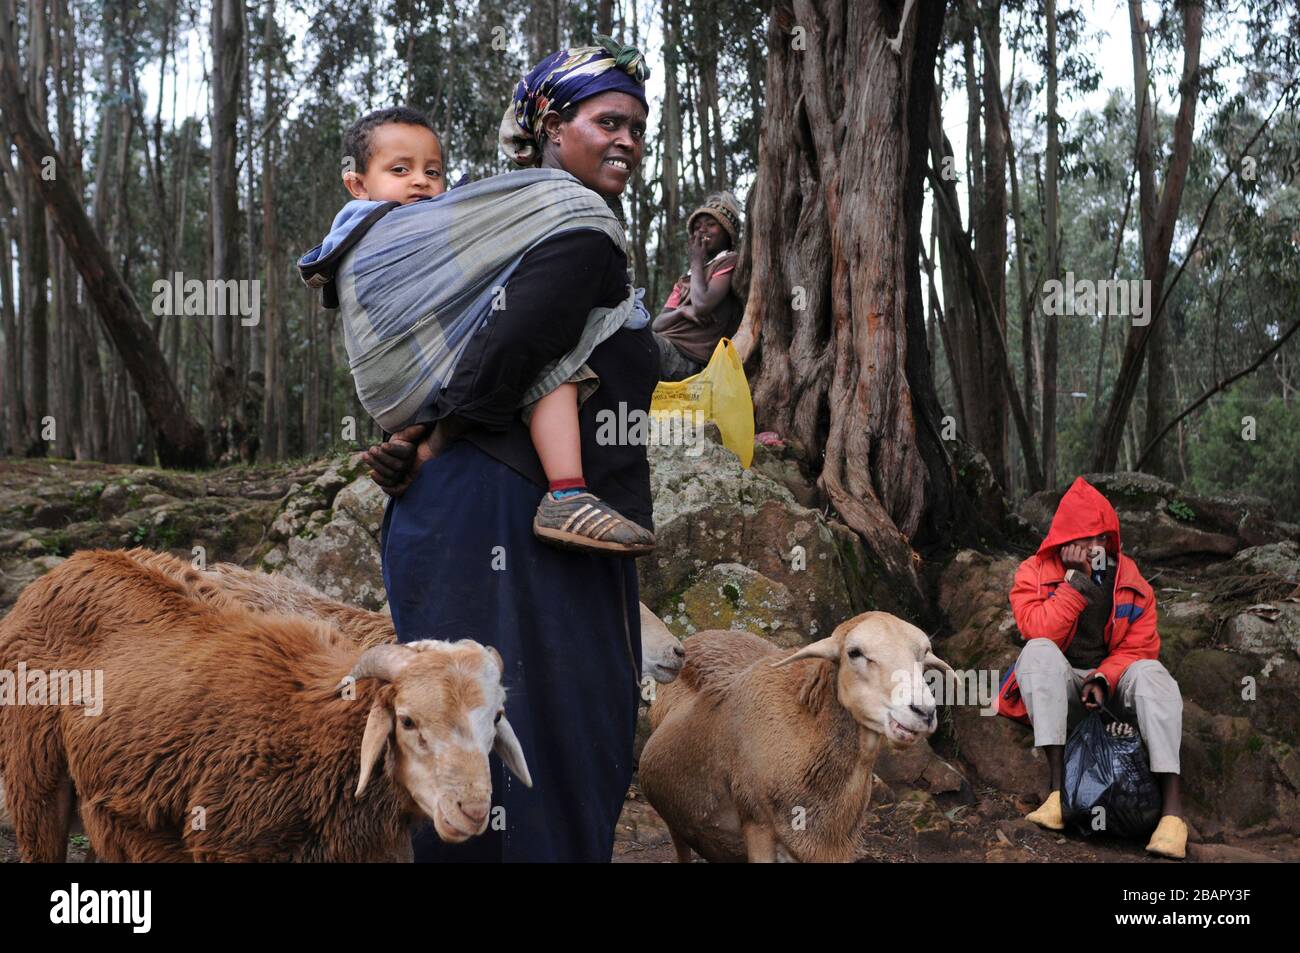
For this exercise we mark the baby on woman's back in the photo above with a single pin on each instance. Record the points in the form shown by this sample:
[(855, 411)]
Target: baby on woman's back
[(395, 155)]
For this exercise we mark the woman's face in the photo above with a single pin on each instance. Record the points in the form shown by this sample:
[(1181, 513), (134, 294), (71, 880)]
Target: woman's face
[(602, 146), (715, 236)]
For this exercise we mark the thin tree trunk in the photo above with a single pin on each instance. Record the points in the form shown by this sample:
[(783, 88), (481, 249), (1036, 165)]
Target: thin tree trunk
[(1114, 265), (11, 385), (1157, 212), (227, 51), (11, 388), (1052, 211), (34, 257), (672, 153), (991, 243), (272, 383)]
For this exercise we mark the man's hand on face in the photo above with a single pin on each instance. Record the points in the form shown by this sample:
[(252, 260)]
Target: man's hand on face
[(1094, 695), (1075, 556)]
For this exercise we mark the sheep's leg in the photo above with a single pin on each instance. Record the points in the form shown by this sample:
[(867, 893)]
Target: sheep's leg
[(75, 827), (120, 840), (760, 843), (40, 805), (679, 845)]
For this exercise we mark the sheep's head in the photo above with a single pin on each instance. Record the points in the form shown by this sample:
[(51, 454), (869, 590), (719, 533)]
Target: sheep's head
[(880, 667), (445, 712), (662, 655)]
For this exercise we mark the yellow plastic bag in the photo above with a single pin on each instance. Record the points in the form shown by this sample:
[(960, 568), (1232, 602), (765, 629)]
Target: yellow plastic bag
[(720, 393)]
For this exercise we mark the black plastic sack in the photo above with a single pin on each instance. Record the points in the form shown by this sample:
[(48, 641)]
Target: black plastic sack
[(1111, 772)]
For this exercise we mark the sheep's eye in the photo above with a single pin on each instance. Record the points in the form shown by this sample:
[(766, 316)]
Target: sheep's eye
[(407, 722), (497, 719)]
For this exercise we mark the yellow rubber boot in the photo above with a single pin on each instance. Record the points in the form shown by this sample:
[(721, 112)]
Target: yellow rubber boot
[(1170, 838), (1049, 815)]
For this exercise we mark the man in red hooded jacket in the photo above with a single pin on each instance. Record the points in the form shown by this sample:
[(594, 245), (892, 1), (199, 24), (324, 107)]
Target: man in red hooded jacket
[(1090, 642)]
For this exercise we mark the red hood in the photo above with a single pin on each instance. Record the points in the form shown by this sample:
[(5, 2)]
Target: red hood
[(1082, 513)]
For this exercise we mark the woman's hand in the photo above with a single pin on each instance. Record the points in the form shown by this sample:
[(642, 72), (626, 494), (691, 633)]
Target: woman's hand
[(699, 249), (394, 463)]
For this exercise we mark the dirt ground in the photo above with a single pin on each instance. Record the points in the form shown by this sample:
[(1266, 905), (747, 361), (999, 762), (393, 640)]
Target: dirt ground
[(993, 830)]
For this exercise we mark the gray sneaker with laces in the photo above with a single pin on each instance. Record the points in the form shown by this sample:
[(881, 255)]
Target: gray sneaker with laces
[(586, 522)]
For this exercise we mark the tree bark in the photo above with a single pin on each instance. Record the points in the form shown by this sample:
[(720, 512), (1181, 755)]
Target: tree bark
[(227, 52), (990, 222), (271, 371), (836, 224), (1051, 215), (11, 385), (666, 260), (34, 254)]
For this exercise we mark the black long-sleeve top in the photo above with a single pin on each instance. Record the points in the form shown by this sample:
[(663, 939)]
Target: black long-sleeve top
[(547, 300)]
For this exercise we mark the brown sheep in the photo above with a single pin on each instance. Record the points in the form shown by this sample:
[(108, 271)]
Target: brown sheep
[(223, 734), (752, 757), (234, 586)]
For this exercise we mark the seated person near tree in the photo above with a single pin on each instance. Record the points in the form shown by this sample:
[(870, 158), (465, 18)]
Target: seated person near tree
[(702, 308), (1091, 642)]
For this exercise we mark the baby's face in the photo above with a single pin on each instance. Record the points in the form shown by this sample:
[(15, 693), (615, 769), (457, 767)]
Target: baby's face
[(405, 166)]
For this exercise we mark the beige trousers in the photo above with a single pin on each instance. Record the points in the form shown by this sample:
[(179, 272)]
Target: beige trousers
[(1146, 693)]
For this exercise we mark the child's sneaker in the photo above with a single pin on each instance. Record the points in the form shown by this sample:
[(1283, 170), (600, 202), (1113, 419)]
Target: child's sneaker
[(584, 521)]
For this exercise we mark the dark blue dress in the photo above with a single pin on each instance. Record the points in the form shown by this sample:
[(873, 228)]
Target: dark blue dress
[(460, 561)]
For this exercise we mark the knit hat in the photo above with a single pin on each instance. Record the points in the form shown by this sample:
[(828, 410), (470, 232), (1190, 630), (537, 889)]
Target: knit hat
[(723, 207)]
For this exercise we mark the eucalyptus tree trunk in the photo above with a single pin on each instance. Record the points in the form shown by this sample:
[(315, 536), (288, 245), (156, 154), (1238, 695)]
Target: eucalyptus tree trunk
[(179, 439), (34, 261), (834, 329), (227, 28), (1158, 205), (1052, 203), (989, 218)]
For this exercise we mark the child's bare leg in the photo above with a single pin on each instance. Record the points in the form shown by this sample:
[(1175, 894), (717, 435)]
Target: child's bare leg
[(570, 515), (556, 436)]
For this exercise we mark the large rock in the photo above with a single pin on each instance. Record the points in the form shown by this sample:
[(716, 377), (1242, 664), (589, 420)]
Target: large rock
[(806, 574), (917, 766), (1277, 559), (1236, 779), (1159, 521), (732, 596), (16, 577), (334, 540), (973, 596), (53, 508)]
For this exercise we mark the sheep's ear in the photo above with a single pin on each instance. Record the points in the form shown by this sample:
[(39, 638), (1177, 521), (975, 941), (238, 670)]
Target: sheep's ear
[(933, 661), (379, 725), (827, 648), (510, 752)]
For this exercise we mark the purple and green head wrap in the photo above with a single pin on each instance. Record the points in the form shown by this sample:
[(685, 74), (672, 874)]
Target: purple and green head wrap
[(565, 78)]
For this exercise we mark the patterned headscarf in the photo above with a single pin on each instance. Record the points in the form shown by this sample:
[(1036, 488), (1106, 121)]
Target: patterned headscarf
[(565, 78)]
